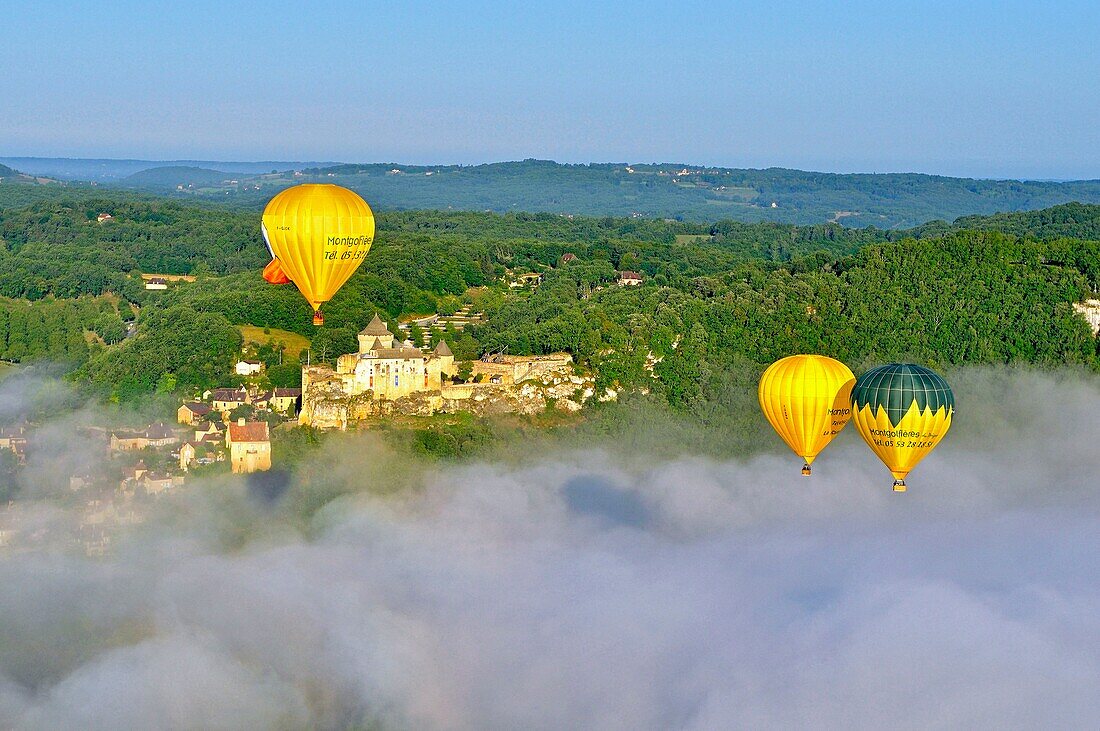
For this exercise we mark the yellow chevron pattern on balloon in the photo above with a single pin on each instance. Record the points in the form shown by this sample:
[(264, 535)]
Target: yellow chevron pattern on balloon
[(806, 400), (902, 411)]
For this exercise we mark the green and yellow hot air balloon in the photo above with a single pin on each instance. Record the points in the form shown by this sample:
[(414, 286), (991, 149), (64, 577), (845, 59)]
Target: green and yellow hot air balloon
[(805, 398), (902, 411)]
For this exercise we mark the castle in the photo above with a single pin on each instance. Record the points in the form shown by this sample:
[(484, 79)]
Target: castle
[(378, 372), (391, 373), (387, 377)]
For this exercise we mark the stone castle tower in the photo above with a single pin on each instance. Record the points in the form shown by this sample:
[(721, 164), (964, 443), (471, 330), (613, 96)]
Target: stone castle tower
[(375, 335)]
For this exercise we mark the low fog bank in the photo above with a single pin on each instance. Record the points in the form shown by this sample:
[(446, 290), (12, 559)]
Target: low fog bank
[(596, 589)]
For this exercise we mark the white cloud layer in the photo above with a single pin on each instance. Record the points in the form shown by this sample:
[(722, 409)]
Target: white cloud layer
[(592, 591)]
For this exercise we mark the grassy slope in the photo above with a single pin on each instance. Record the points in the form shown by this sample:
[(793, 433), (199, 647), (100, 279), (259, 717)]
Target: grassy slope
[(294, 342)]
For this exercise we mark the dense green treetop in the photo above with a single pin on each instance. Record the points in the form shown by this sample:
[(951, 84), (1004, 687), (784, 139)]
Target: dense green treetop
[(719, 300)]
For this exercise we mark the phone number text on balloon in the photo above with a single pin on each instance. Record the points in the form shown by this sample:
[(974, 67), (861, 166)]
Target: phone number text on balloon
[(344, 255)]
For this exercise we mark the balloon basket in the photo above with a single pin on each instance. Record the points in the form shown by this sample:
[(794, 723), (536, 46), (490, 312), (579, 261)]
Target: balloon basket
[(899, 486), (806, 470), (318, 318)]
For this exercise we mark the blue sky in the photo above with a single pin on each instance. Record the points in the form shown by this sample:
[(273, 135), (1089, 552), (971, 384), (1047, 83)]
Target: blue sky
[(982, 89)]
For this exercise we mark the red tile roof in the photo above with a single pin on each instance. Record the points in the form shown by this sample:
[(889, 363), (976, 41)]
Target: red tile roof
[(253, 431)]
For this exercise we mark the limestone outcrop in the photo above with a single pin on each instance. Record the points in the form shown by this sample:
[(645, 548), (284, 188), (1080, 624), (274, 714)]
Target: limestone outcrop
[(330, 402)]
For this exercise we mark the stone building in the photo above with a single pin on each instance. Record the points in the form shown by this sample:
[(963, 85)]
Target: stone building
[(249, 446), (227, 399), (157, 435), (382, 369), (192, 412)]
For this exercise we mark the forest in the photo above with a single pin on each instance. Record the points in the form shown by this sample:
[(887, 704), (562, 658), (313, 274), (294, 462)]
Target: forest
[(719, 302)]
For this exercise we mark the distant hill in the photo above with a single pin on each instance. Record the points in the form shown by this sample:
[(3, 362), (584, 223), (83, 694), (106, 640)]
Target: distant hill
[(107, 170), (890, 201), (175, 175), (11, 178), (887, 201)]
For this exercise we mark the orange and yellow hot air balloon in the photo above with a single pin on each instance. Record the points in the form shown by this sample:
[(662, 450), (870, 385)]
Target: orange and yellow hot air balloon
[(902, 411), (318, 236), (806, 400)]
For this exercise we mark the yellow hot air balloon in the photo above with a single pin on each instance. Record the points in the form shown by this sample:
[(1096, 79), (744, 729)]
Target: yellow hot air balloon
[(319, 234), (806, 399), (902, 411)]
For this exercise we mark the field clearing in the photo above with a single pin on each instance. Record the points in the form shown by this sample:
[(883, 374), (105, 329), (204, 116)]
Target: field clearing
[(293, 341), (728, 202), (168, 277), (7, 369), (691, 238)]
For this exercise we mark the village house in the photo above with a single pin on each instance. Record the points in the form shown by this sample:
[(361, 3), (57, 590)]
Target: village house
[(14, 438), (208, 431), (157, 435), (192, 412), (285, 401), (629, 279), (227, 399), (249, 367), (281, 400), (137, 471), (566, 258), (103, 217), (260, 400), (249, 446), (156, 483), (156, 283), (188, 454)]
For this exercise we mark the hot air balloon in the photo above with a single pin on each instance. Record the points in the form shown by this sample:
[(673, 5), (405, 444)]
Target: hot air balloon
[(318, 236), (806, 399), (902, 411)]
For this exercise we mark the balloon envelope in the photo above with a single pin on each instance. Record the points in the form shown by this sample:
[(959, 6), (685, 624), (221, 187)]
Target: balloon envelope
[(902, 411), (320, 235), (274, 273), (806, 400)]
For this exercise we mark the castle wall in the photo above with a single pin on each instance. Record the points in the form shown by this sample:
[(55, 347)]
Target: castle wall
[(369, 387), (513, 369)]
